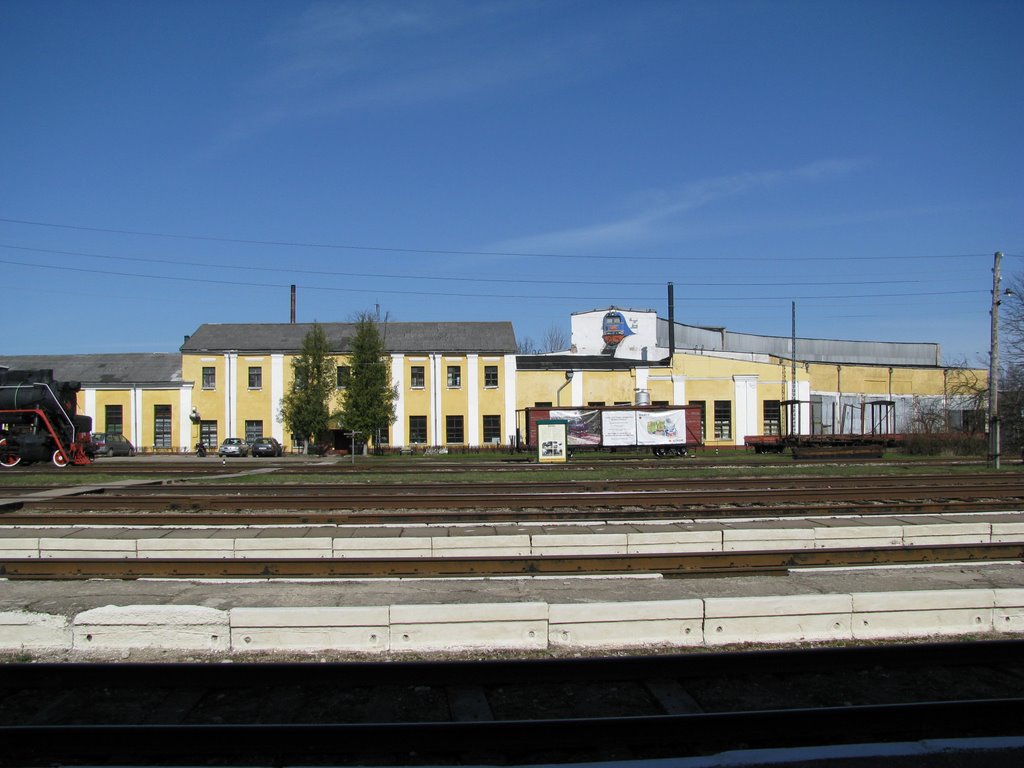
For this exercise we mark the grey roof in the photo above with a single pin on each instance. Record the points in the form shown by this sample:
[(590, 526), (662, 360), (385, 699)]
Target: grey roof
[(921, 354), (128, 368), (498, 338)]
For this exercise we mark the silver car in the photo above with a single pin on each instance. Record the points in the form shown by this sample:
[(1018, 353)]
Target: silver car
[(233, 446)]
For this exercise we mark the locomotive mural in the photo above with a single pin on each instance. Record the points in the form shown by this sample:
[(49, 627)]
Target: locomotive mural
[(39, 420)]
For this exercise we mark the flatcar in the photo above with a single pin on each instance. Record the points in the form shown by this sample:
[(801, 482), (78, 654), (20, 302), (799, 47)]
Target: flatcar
[(39, 420)]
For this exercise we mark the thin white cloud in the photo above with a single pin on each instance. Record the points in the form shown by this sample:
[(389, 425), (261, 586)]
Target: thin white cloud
[(335, 58), (662, 209)]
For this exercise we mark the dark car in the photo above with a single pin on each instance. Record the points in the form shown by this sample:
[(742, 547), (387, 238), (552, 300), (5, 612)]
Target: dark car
[(111, 444), (233, 446), (266, 446)]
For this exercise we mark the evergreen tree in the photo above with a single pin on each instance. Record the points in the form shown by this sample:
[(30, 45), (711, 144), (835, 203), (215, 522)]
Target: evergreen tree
[(369, 404), (306, 407)]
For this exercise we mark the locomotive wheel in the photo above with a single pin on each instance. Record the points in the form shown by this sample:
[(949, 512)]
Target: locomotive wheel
[(59, 459), (9, 461)]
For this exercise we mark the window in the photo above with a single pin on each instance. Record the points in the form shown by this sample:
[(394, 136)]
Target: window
[(723, 419), (208, 433), (597, 403), (383, 436), (660, 403), (417, 430), (162, 426), (453, 432), (772, 417), (454, 375), (253, 430), (344, 376), (255, 377), (416, 378), (492, 429), (491, 376), (542, 404), (209, 377), (702, 404), (113, 419)]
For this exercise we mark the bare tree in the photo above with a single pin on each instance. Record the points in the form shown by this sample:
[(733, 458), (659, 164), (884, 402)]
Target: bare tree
[(555, 339), (527, 346)]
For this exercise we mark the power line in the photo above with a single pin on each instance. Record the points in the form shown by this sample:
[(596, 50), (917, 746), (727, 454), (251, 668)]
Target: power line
[(692, 299), (447, 252), (334, 273)]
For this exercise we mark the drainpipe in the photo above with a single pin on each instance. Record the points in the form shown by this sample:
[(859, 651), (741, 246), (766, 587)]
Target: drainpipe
[(558, 394)]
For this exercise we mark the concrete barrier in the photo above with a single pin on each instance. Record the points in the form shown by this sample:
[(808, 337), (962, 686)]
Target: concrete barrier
[(13, 546), (922, 613), (186, 548), (947, 533), (752, 539), (783, 619), (285, 546), (521, 626), (23, 630), (357, 628), (181, 627), (862, 535), (579, 544), (674, 542), (626, 624), (496, 545), (373, 546), (1007, 533), (82, 546), (1008, 610)]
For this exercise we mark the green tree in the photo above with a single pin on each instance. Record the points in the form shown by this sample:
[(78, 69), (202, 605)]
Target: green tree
[(369, 403), (306, 406)]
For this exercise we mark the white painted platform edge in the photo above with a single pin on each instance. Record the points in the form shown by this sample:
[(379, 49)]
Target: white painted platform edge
[(531, 625)]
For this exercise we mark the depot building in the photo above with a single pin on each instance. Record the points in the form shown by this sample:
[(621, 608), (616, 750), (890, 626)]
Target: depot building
[(463, 386)]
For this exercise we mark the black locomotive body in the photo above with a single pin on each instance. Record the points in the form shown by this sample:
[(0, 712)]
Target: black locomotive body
[(39, 420)]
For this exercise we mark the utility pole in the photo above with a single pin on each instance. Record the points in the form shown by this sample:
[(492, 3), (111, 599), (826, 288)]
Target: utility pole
[(794, 407), (993, 371)]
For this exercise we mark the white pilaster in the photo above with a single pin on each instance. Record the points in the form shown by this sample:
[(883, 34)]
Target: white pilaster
[(184, 422), (577, 389), (276, 395), (678, 389), (89, 406), (397, 432), (746, 407), (509, 422), (473, 382)]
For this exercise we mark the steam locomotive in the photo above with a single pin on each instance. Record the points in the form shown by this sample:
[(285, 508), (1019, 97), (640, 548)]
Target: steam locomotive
[(39, 420)]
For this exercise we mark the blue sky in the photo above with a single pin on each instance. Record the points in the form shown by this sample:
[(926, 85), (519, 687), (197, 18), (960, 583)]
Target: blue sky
[(164, 165)]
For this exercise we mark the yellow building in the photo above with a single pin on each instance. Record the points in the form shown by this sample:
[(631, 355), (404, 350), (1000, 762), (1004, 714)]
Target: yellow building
[(455, 381), (463, 385)]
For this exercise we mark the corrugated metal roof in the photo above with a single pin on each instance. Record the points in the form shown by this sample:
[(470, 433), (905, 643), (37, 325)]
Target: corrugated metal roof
[(398, 337), (809, 350), (128, 368)]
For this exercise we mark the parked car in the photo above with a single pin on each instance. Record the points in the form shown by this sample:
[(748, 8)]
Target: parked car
[(233, 446), (266, 446), (111, 444)]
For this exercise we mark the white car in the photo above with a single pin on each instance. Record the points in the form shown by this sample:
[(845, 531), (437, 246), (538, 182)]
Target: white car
[(233, 446)]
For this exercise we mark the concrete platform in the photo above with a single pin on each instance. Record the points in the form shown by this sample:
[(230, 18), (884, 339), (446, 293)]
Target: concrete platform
[(511, 539), (420, 616)]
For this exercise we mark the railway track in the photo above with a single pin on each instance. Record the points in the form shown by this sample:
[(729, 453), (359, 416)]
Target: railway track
[(676, 564), (500, 712), (679, 497)]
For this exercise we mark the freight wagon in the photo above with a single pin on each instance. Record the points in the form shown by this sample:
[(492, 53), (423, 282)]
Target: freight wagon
[(666, 430)]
